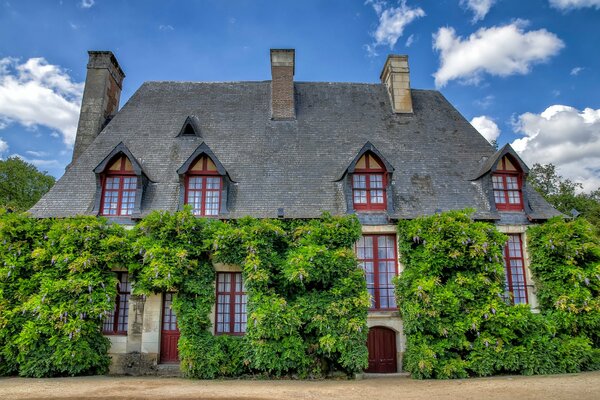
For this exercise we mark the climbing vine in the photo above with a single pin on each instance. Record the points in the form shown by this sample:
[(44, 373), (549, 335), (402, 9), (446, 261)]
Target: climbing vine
[(456, 316), (307, 299), (56, 287)]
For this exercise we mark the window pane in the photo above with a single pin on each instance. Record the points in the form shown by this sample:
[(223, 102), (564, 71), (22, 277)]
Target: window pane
[(376, 181), (377, 196), (360, 197), (359, 181), (499, 197), (511, 182), (497, 182)]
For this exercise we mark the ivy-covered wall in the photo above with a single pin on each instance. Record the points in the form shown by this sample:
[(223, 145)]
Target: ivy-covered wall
[(307, 298), (56, 286), (456, 318)]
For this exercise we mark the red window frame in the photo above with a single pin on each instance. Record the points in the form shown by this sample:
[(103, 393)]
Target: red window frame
[(502, 179), (381, 292), (514, 270), (120, 175), (204, 175), (368, 173), (116, 322), (230, 303)]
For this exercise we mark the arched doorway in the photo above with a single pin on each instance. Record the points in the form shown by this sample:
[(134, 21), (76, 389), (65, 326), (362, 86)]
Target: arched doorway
[(382, 350)]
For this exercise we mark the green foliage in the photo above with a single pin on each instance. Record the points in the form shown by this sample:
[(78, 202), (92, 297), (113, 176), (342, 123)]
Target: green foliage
[(307, 299), (566, 265), (56, 286), (22, 184), (451, 300)]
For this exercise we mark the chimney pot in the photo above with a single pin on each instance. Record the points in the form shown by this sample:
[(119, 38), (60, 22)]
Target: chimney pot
[(282, 84)]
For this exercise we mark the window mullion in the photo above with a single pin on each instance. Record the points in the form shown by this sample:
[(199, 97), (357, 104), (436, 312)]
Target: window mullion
[(120, 194)]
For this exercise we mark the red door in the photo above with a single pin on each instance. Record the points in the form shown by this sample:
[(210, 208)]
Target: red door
[(169, 334), (382, 350)]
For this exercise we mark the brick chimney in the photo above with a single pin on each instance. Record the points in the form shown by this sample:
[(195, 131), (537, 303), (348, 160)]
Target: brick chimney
[(101, 95), (282, 84), (396, 78)]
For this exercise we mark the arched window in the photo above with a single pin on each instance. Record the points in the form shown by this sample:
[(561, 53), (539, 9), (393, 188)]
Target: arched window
[(119, 186), (507, 181), (369, 181), (203, 185)]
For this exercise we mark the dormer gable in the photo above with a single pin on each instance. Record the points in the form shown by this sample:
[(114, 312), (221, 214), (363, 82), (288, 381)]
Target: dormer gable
[(120, 182), (204, 183)]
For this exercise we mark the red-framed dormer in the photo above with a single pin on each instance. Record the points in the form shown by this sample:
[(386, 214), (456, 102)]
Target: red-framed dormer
[(507, 183)]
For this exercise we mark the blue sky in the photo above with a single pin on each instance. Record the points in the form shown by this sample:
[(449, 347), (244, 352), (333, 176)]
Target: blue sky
[(524, 72)]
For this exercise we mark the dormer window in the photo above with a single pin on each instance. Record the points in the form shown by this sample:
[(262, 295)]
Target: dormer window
[(507, 181), (120, 183), (204, 183), (203, 186), (369, 182), (119, 186)]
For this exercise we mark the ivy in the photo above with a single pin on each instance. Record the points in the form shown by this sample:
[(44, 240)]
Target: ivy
[(456, 319), (307, 299), (56, 287)]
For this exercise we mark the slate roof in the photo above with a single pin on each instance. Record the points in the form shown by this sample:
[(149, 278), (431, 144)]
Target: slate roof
[(297, 164)]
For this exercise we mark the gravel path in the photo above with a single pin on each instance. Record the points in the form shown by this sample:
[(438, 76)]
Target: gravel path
[(580, 386)]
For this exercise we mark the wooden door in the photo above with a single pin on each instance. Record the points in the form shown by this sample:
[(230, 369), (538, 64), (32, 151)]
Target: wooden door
[(381, 343), (169, 334)]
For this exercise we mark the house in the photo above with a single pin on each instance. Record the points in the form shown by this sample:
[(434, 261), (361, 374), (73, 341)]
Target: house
[(285, 149)]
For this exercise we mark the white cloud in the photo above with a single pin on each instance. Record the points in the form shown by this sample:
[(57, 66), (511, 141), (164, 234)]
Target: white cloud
[(40, 163), (87, 3), (37, 93), (37, 154), (572, 4), (499, 50), (166, 28), (410, 40), (487, 127), (3, 147), (4, 122), (485, 102), (575, 71), (479, 7), (565, 137), (392, 21)]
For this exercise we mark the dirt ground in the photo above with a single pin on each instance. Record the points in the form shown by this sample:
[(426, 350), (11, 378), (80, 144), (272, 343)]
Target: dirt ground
[(581, 386)]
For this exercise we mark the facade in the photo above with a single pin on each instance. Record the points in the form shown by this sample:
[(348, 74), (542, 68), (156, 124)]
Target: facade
[(285, 149)]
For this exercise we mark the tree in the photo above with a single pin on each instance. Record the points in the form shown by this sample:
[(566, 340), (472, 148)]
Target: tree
[(562, 193), (22, 184)]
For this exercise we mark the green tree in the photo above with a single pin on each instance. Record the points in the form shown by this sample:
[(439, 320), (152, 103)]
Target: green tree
[(563, 193), (22, 184)]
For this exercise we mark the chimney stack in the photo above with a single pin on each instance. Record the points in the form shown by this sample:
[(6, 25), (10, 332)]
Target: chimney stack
[(395, 76), (101, 95), (282, 84)]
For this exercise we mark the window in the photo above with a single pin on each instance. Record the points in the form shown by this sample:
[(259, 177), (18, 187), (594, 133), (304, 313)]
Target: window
[(514, 269), (169, 322), (115, 323), (231, 304), (368, 184), (507, 183), (377, 256), (203, 186), (119, 188)]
